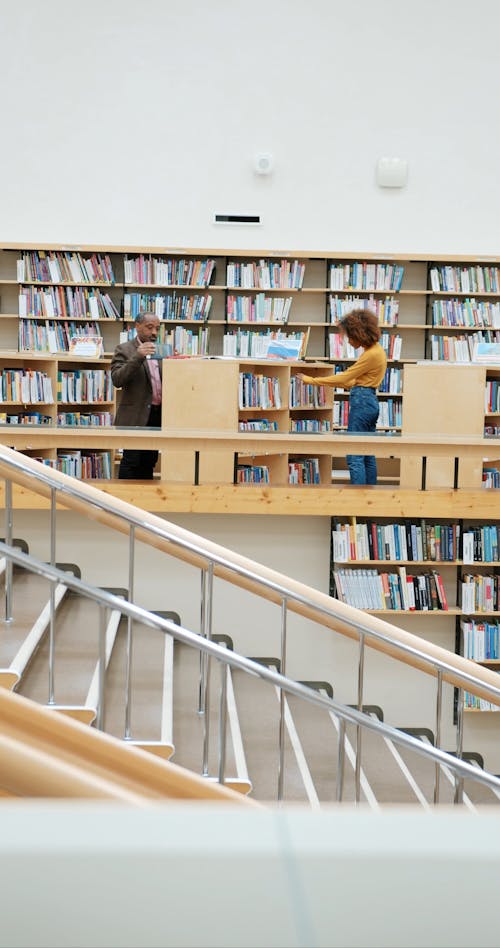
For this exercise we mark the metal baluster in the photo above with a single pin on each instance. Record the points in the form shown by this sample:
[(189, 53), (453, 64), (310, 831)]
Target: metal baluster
[(102, 666), (203, 664), (128, 681), (281, 766), (439, 698), (223, 721), (459, 781), (8, 540), (52, 625), (207, 632), (361, 665), (341, 761)]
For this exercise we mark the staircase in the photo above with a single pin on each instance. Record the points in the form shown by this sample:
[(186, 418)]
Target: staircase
[(155, 701), (95, 654)]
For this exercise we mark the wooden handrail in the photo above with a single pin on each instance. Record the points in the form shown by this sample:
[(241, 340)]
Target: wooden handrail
[(47, 754), (247, 442), (345, 619)]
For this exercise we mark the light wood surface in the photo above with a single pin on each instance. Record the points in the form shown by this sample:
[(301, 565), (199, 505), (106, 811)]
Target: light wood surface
[(46, 754), (258, 252), (444, 400), (163, 497)]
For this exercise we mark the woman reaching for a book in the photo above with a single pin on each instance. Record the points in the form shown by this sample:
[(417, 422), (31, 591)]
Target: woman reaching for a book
[(361, 328)]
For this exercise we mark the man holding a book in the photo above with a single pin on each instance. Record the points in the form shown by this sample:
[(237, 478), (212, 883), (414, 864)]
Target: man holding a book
[(136, 370)]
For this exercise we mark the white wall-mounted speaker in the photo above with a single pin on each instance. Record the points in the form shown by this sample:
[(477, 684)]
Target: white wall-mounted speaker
[(392, 172), (263, 163)]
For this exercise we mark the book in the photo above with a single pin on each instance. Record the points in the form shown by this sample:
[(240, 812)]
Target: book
[(486, 352), (86, 345), (441, 594), (404, 587)]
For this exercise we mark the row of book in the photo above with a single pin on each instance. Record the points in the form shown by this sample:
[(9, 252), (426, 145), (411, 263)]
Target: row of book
[(25, 418), (490, 477), (469, 312), (63, 302), (366, 276), (258, 309), (304, 471), (85, 385), (258, 391), (460, 348), (257, 424), (64, 419), (386, 310), (391, 344), (252, 474), (305, 395), (405, 541), (392, 382), (390, 414), (274, 344), (369, 589), (473, 703), (167, 307), (473, 279), (183, 342), (53, 336), (340, 348), (480, 639), (309, 426), (81, 464), (25, 385), (479, 592), (266, 274), (481, 544), (64, 266), (158, 271), (492, 396), (80, 419)]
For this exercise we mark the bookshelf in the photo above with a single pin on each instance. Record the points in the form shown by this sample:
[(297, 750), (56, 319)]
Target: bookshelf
[(213, 301), (42, 391), (246, 395), (419, 299), (423, 570)]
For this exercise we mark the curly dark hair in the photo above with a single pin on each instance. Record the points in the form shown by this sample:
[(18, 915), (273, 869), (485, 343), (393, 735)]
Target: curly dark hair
[(361, 327)]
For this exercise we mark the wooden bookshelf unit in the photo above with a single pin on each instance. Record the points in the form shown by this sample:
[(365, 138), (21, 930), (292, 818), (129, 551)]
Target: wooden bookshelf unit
[(212, 301)]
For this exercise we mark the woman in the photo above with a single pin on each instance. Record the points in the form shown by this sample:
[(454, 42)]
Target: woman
[(361, 328)]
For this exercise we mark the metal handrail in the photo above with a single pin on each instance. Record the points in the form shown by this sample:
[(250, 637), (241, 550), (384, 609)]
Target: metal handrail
[(349, 616), (345, 713)]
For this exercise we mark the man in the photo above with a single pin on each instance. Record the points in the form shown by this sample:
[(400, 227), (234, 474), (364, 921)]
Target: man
[(136, 371)]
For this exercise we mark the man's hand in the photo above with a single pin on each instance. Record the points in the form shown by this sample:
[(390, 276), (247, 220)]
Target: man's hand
[(146, 349)]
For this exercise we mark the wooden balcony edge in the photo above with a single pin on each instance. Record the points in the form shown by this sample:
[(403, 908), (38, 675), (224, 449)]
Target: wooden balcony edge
[(381, 501)]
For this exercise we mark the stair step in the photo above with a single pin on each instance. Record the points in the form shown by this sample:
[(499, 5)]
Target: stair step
[(189, 723), (385, 768), (78, 712), (259, 712), (241, 786), (424, 772), (76, 651), (164, 751), (30, 596), (148, 654)]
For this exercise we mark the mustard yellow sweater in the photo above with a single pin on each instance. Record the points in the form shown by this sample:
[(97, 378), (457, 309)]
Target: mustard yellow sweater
[(368, 371)]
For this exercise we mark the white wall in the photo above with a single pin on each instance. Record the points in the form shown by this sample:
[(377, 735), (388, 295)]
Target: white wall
[(198, 877), (128, 123)]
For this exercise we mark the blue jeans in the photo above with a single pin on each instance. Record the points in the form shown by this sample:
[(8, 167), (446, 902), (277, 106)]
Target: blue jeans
[(363, 414)]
